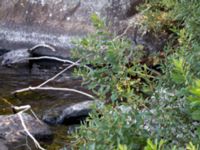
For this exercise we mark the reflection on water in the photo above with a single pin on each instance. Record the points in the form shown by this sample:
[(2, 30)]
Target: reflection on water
[(13, 79)]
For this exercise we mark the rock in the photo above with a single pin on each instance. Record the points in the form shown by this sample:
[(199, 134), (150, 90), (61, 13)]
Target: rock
[(24, 23), (3, 51), (13, 57), (13, 134), (140, 35), (22, 55), (3, 145), (68, 114)]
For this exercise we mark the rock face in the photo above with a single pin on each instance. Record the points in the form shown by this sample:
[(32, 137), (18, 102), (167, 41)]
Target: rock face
[(25, 23), (140, 35), (68, 114), (29, 22), (13, 134)]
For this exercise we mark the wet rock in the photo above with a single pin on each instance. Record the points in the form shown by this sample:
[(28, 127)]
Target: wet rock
[(13, 134), (68, 114)]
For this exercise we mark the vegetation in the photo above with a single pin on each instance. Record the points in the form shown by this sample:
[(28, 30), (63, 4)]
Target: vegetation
[(116, 74), (141, 105)]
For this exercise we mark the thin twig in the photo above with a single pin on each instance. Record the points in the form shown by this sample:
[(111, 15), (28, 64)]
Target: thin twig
[(61, 72), (22, 110), (42, 45), (48, 57), (39, 87), (53, 58), (53, 89), (125, 31)]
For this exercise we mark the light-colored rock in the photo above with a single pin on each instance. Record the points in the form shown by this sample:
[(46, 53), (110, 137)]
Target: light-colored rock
[(12, 132), (29, 22)]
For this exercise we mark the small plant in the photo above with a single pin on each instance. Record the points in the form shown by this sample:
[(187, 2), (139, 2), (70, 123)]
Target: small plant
[(157, 146), (161, 145)]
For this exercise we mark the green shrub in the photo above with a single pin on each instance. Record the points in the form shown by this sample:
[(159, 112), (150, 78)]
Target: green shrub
[(181, 68), (116, 74), (117, 127), (169, 111)]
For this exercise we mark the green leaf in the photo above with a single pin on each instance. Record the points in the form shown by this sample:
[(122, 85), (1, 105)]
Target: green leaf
[(195, 91), (122, 147), (196, 115), (150, 145)]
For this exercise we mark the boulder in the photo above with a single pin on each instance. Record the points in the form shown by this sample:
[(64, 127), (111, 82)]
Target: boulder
[(13, 134), (20, 56), (70, 114), (25, 23)]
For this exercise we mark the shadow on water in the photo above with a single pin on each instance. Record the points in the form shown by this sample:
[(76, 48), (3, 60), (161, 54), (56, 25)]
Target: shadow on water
[(16, 78)]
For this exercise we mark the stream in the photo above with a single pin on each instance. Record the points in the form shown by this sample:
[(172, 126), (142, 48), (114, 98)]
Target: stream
[(21, 77)]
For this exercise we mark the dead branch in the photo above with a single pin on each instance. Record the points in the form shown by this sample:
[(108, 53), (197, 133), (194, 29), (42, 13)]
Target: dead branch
[(124, 33), (54, 58), (21, 110), (53, 89), (42, 45), (39, 87), (50, 58), (61, 72)]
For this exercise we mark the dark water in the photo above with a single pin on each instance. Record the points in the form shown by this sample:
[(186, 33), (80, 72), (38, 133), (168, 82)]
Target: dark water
[(16, 78)]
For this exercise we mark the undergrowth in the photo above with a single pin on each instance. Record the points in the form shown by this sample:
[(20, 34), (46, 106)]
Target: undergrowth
[(144, 110)]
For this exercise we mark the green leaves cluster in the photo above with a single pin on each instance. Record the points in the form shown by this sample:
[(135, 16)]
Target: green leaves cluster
[(116, 129), (182, 65), (161, 145), (116, 73), (172, 113)]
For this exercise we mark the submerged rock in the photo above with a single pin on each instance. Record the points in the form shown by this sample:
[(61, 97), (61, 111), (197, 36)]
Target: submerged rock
[(13, 134), (68, 114)]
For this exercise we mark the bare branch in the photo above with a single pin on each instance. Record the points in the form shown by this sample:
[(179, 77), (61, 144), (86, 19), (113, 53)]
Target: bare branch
[(53, 58), (124, 33), (54, 77), (49, 57), (39, 87), (22, 109), (53, 89), (42, 45)]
